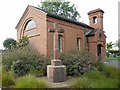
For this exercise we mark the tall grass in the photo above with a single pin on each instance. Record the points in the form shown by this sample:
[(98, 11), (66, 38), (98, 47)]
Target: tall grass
[(80, 82), (111, 72), (7, 78), (105, 83), (94, 74), (30, 82), (107, 77)]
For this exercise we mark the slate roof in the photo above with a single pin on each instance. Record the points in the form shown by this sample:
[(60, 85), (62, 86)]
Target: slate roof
[(92, 32), (65, 19)]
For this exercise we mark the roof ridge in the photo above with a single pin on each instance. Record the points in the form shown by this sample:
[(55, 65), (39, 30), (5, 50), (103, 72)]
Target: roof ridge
[(63, 18)]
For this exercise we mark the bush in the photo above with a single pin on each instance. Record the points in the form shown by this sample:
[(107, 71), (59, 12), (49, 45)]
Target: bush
[(26, 58), (30, 82), (7, 78), (41, 65), (77, 62), (20, 67)]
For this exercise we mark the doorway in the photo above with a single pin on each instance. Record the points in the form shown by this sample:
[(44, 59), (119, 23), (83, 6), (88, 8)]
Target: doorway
[(99, 52)]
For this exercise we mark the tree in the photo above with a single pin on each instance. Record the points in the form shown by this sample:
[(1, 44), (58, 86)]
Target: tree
[(60, 8), (109, 46), (9, 43)]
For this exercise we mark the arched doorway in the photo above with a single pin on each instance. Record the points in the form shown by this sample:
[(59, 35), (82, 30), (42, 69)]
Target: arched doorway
[(99, 52)]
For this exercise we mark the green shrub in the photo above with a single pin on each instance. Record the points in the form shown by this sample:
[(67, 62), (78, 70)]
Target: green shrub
[(20, 67), (41, 65), (7, 79), (77, 62), (30, 82), (25, 58)]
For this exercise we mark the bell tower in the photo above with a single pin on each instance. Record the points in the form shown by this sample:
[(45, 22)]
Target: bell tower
[(96, 18)]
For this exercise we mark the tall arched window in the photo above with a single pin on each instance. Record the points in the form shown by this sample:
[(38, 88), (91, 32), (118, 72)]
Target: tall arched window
[(30, 25), (60, 43), (78, 43)]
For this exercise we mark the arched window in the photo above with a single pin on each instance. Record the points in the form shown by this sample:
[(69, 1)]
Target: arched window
[(95, 19), (78, 43), (60, 43), (30, 25)]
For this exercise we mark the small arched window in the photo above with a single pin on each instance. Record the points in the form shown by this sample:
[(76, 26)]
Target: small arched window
[(30, 25), (100, 35), (94, 19)]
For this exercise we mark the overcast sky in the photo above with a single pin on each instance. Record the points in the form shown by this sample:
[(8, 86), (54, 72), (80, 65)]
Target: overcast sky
[(12, 10)]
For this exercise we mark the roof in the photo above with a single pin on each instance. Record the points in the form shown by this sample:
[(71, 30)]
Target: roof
[(65, 19), (92, 32), (96, 10)]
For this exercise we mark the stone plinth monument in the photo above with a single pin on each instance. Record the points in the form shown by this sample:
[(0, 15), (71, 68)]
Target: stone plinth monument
[(56, 72)]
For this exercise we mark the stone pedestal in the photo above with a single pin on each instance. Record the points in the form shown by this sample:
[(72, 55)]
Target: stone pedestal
[(56, 72)]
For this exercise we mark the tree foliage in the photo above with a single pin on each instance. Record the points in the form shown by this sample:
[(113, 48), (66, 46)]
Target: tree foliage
[(61, 8), (9, 43), (109, 46)]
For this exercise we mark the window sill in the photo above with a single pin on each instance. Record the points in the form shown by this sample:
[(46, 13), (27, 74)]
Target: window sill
[(29, 36)]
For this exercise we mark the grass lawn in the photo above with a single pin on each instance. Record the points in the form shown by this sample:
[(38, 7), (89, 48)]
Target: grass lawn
[(113, 58)]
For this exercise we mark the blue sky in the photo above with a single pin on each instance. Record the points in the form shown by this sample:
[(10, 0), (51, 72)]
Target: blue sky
[(12, 10)]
